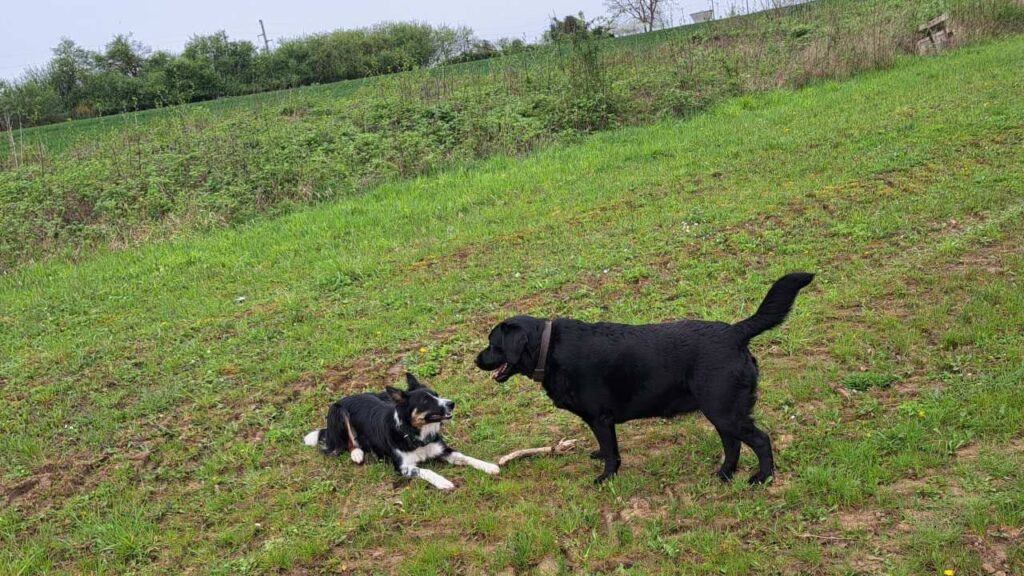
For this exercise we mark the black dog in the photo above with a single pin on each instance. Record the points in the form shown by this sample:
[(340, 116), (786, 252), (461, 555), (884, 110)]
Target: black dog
[(403, 426), (611, 373)]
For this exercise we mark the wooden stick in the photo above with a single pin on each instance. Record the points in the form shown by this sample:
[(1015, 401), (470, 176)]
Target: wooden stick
[(823, 537), (564, 446)]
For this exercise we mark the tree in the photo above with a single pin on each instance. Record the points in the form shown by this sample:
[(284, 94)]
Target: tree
[(227, 63), (574, 27), (511, 45), (649, 13), (452, 44), (67, 71), (124, 55)]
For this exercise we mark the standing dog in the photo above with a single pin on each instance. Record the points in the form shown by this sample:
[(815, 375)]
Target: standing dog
[(403, 426), (611, 373)]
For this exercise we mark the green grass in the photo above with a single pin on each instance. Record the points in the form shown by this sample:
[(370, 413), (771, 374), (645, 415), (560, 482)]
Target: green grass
[(124, 181), (151, 419)]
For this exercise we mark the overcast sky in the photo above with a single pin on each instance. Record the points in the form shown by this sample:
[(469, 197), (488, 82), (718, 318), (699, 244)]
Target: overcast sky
[(28, 30)]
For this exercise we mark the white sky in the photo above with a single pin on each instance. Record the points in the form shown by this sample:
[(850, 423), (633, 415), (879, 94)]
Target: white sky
[(28, 30)]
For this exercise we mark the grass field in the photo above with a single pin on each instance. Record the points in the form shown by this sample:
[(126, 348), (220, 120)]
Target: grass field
[(154, 399), (125, 181)]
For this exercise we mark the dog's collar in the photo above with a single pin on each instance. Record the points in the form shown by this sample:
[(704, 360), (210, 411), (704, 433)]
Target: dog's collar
[(545, 343)]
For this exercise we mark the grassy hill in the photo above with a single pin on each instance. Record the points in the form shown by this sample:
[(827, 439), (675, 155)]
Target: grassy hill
[(124, 181), (153, 400)]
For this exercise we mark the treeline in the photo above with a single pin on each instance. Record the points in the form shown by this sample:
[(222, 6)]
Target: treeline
[(128, 76)]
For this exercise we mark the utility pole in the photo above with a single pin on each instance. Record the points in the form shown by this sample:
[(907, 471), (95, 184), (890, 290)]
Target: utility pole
[(266, 43)]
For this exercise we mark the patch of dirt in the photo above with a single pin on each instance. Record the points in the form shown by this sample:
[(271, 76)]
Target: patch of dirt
[(449, 261), (968, 452), (613, 564), (908, 486), (779, 482), (856, 520), (638, 509), (781, 441), (548, 566), (993, 549), (991, 259), (52, 482), (915, 385), (23, 488)]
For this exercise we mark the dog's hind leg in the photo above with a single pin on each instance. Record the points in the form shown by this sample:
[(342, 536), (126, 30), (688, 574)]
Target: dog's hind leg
[(460, 459), (354, 451), (762, 446), (608, 446), (731, 446)]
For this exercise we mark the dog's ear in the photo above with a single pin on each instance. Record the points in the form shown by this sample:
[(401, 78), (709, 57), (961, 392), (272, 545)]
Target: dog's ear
[(513, 341), (399, 396), (411, 382)]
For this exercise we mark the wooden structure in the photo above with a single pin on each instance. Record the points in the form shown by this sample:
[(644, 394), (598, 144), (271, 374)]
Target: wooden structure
[(935, 36), (702, 16)]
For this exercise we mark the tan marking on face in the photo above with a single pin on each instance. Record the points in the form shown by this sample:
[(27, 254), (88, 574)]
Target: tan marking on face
[(418, 419)]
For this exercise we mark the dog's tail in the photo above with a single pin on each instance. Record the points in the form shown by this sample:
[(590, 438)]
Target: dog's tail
[(775, 306), (333, 438), (313, 438)]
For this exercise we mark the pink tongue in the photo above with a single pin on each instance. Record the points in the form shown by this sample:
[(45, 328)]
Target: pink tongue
[(498, 372)]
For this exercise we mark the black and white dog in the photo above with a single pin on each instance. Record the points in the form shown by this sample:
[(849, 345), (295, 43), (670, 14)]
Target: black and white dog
[(403, 426), (611, 373)]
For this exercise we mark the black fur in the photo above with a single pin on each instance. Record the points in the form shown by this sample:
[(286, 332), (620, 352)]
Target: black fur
[(610, 373)]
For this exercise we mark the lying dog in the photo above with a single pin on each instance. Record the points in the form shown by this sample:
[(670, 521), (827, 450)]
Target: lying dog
[(403, 426), (611, 373)]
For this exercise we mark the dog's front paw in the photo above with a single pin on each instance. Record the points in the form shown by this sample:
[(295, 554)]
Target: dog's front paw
[(357, 456), (489, 468), (444, 484), (760, 478), (724, 475), (603, 477)]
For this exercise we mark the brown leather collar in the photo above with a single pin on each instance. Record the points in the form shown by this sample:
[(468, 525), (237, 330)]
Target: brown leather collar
[(545, 343)]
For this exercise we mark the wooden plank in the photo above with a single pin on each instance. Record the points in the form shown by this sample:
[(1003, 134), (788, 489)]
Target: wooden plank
[(933, 23)]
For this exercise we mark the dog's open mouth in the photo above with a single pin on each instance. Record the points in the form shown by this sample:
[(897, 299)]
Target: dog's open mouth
[(502, 373), (439, 417)]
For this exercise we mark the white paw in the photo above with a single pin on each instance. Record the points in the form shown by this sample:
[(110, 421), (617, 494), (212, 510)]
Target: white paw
[(444, 484), (357, 456), (490, 468)]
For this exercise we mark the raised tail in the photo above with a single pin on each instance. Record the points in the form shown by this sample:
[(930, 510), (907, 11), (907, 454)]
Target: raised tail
[(775, 306)]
